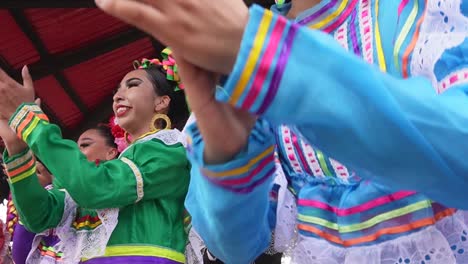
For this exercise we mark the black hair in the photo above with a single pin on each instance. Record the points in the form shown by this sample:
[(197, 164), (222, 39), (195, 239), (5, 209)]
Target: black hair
[(105, 131), (178, 108)]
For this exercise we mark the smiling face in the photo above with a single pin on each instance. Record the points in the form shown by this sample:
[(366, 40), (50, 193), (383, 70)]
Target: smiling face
[(136, 102)]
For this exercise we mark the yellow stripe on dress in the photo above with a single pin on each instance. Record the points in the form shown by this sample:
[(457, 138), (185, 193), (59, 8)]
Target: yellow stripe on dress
[(378, 40), (243, 169), (253, 57), (330, 17), (369, 223), (87, 224), (138, 178), (146, 251), (32, 125), (24, 175)]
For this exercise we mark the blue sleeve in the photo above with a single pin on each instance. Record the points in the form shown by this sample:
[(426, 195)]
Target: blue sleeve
[(229, 203), (400, 132)]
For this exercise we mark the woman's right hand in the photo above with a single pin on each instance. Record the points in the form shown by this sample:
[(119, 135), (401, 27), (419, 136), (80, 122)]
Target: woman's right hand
[(225, 130)]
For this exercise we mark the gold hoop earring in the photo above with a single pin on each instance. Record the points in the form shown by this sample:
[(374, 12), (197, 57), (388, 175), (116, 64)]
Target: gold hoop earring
[(126, 138), (158, 117)]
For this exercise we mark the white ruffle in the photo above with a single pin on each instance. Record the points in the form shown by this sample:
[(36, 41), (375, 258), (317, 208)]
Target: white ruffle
[(455, 230), (285, 229), (77, 244), (444, 27), (444, 243), (193, 251), (426, 246)]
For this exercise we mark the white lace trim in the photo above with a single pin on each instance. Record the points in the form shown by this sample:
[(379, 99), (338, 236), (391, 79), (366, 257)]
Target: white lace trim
[(455, 230), (446, 242), (19, 116), (286, 212), (444, 27), (138, 178), (421, 247), (455, 78), (193, 251), (77, 244), (167, 136)]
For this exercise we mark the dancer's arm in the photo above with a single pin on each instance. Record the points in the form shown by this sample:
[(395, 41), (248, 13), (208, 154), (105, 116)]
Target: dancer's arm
[(146, 170), (399, 131), (229, 203), (38, 208)]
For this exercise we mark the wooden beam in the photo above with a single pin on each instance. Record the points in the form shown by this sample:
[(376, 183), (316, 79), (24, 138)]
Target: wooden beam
[(82, 3), (23, 23), (46, 3), (65, 60)]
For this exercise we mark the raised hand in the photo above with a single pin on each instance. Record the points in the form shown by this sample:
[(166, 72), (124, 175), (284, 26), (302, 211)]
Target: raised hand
[(13, 94), (225, 130), (206, 33)]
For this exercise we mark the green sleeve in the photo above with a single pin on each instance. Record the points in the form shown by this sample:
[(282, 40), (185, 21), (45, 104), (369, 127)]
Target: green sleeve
[(38, 208), (148, 170)]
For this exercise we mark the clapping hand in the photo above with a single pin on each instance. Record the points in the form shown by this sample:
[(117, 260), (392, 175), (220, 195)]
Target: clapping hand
[(13, 94), (206, 33)]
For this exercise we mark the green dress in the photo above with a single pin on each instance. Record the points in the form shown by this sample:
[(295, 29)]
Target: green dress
[(134, 204)]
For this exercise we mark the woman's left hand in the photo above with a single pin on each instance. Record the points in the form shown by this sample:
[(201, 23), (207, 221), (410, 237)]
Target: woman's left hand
[(13, 94)]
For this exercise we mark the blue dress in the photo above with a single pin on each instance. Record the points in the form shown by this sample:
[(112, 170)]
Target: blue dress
[(365, 104)]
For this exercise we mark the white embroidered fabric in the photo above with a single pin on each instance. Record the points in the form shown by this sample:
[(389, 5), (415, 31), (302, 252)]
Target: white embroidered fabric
[(444, 27), (35, 256), (425, 246), (167, 136), (285, 229), (446, 243), (283, 236), (193, 251), (455, 230), (77, 244)]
